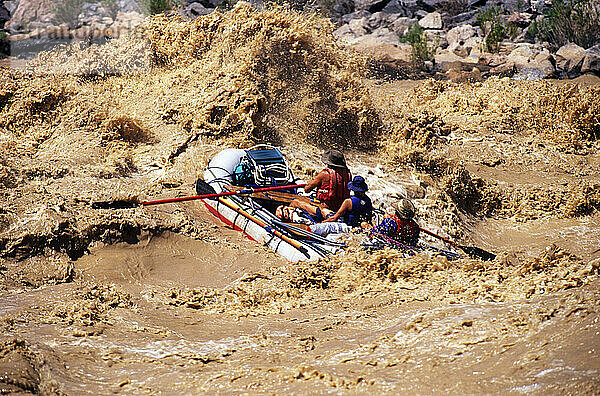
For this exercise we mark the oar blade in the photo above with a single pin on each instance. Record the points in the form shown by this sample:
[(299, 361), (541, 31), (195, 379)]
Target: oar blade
[(116, 204), (203, 188), (475, 252)]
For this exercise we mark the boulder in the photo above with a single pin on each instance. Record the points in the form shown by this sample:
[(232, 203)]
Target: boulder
[(433, 20), (445, 60), (381, 19), (382, 50), (358, 26), (542, 63), (405, 8), (401, 25), (342, 8), (569, 59), (131, 18), (432, 4), (29, 11), (344, 34), (384, 35), (473, 44), (370, 5), (521, 55), (196, 9), (591, 63), (355, 15), (129, 5), (211, 3), (469, 17), (11, 6), (460, 34)]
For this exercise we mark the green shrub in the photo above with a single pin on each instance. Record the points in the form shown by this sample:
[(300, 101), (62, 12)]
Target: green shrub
[(3, 35), (569, 21), (67, 11), (422, 51), (492, 26), (151, 7)]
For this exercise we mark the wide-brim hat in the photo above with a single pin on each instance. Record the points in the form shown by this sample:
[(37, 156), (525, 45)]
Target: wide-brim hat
[(334, 158), (358, 184), (404, 209)]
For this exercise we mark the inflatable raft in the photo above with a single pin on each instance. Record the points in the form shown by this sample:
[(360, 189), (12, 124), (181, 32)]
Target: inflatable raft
[(258, 167)]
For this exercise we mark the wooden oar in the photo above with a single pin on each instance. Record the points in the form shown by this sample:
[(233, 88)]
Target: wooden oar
[(123, 204), (276, 196), (472, 251)]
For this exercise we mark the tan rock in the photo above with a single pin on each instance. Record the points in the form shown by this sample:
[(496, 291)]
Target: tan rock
[(460, 34), (401, 25), (521, 55), (569, 58), (433, 20), (591, 63), (382, 50), (446, 60)]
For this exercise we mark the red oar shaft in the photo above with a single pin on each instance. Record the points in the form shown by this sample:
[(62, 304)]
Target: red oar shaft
[(223, 194), (439, 236)]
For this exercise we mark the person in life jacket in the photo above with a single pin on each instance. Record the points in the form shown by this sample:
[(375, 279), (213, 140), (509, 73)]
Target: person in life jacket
[(399, 224), (356, 209), (331, 185)]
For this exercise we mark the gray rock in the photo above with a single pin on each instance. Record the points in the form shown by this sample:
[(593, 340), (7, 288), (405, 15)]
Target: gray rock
[(405, 8), (11, 6), (432, 4), (129, 6), (196, 9), (358, 27), (469, 17), (355, 15), (460, 34), (370, 5), (401, 25), (4, 16), (381, 19), (211, 3), (591, 63), (569, 59), (344, 33), (386, 36), (342, 8), (433, 20)]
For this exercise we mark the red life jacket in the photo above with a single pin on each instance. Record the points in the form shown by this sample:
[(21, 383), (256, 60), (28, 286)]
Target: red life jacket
[(406, 230), (335, 191)]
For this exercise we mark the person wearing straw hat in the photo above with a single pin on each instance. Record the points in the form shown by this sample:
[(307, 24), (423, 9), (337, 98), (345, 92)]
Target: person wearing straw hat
[(357, 208), (399, 223), (331, 185)]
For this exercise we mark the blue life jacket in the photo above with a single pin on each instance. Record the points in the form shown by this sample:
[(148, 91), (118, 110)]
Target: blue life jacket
[(362, 210)]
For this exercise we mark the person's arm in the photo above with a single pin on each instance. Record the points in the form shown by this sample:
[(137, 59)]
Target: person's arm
[(317, 182), (346, 206)]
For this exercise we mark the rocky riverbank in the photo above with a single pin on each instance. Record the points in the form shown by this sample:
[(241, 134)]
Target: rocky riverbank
[(451, 39)]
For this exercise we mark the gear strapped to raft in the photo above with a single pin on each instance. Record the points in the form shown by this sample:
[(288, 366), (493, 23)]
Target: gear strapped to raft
[(262, 166)]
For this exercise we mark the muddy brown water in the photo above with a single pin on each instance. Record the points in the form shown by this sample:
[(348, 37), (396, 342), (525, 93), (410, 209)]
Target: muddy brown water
[(548, 344), (189, 306)]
